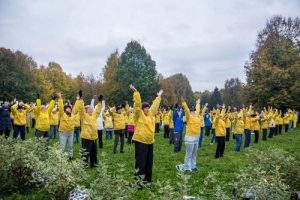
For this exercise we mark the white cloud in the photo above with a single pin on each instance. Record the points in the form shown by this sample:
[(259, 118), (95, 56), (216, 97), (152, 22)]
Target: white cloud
[(209, 41)]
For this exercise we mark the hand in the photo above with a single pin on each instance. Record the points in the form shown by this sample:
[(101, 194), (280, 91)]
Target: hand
[(206, 104), (160, 93), (54, 97), (223, 106), (132, 87), (37, 95), (80, 94), (198, 101), (100, 97)]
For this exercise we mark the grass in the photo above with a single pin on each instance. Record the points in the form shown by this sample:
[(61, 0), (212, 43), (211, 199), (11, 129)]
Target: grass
[(165, 160)]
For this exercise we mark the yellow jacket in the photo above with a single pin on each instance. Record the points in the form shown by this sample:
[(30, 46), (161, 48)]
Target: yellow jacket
[(77, 120), (295, 120), (171, 123), (108, 121), (54, 118), (201, 116), (144, 124), (227, 120), (157, 117), (66, 122), (239, 126), (130, 118), (255, 123), (89, 121), (286, 119), (43, 117), (220, 125), (264, 122), (119, 120), (20, 117), (166, 117), (193, 123)]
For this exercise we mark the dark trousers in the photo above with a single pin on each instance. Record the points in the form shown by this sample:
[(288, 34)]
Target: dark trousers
[(276, 130), (76, 134), (166, 131), (41, 134), (156, 127), (207, 130), (220, 146), (171, 135), (227, 134), (19, 129), (129, 139), (271, 132), (264, 134), (144, 160), (256, 136), (286, 128), (6, 132), (177, 142), (247, 138), (119, 135), (280, 129), (100, 141), (32, 123), (126, 132), (108, 135), (90, 149)]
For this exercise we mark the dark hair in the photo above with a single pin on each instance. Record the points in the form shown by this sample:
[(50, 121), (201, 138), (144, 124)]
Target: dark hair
[(145, 105), (67, 106), (118, 107)]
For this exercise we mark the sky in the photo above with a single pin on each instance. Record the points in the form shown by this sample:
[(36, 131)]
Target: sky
[(208, 41)]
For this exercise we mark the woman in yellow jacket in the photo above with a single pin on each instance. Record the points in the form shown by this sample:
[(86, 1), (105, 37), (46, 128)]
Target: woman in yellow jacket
[(171, 126), (42, 114), (286, 121), (54, 120), (255, 127), (108, 125), (157, 121), (228, 123), (193, 125), (19, 114), (89, 134), (247, 125), (144, 120), (220, 126), (166, 121), (264, 125), (238, 124), (130, 124)]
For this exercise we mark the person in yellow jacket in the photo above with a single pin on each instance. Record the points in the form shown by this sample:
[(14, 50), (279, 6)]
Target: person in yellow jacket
[(144, 120), (54, 120), (238, 124), (119, 120), (171, 126), (77, 124), (89, 134), (108, 125), (130, 124), (193, 125), (66, 126), (202, 125), (295, 119), (157, 121), (247, 125), (286, 121), (255, 127), (228, 123), (19, 113), (166, 120), (42, 114), (264, 125), (220, 125)]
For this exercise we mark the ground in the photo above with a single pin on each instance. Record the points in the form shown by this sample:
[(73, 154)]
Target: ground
[(165, 159)]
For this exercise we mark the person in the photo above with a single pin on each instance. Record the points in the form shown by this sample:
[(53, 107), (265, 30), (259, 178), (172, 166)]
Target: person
[(157, 121), (255, 127), (238, 125), (220, 127), (171, 126), (193, 123), (264, 125), (5, 122), (280, 122), (295, 119), (144, 120), (66, 126), (100, 121), (207, 122), (130, 123), (202, 126), (77, 125), (272, 124), (247, 125), (119, 121), (108, 125), (213, 127), (286, 121), (178, 115), (89, 133), (228, 123), (166, 120), (54, 120), (42, 117), (19, 113)]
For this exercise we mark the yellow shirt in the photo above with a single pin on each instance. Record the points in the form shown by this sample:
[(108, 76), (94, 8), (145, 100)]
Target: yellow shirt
[(171, 123), (54, 118), (144, 124), (119, 119), (220, 124), (255, 123), (165, 118), (239, 127), (77, 120)]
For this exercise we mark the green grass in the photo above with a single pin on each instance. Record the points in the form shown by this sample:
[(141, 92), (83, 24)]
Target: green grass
[(165, 160)]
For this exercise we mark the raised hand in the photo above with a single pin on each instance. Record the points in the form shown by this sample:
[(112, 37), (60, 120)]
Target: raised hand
[(160, 93), (132, 87), (100, 97), (37, 95)]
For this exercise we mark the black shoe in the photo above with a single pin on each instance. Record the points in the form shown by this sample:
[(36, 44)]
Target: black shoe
[(121, 151)]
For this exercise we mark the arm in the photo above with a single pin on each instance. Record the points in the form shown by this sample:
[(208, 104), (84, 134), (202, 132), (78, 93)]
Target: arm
[(187, 111), (137, 104), (93, 104), (60, 106), (204, 109), (79, 108), (98, 109), (155, 105), (37, 109)]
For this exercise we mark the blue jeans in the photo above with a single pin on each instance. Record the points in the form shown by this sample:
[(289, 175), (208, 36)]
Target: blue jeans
[(247, 138), (53, 131), (201, 137), (238, 139), (108, 134), (213, 135), (66, 138), (76, 134)]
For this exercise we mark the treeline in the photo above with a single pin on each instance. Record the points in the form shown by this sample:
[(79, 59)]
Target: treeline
[(273, 75)]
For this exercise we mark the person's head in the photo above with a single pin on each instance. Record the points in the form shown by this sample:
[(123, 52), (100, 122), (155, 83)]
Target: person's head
[(146, 108), (131, 110), (119, 109), (193, 111), (88, 109), (20, 108), (68, 109), (43, 108)]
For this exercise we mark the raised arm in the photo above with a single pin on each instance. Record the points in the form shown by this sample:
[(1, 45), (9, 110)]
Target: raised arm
[(79, 105), (51, 104), (137, 103), (155, 105), (99, 107), (186, 110)]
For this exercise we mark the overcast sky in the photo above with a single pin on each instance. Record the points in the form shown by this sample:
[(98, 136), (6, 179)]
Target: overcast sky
[(208, 41)]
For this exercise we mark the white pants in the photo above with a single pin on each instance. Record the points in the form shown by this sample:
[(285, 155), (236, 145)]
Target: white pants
[(191, 149)]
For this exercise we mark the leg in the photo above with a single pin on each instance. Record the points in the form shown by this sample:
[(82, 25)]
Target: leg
[(101, 140), (217, 155), (200, 138), (194, 155), (22, 132), (213, 136), (256, 136), (149, 163), (7, 133), (140, 159), (117, 135), (188, 156), (280, 129), (87, 146), (93, 155), (222, 147), (227, 134), (176, 142), (171, 135), (122, 141), (16, 132), (62, 141), (70, 145)]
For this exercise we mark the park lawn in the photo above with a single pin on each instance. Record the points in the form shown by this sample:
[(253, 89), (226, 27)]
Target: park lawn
[(165, 161)]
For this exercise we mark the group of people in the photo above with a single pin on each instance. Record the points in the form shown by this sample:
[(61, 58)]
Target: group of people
[(139, 124)]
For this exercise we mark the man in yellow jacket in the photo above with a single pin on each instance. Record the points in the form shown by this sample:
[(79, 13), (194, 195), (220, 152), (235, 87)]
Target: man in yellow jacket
[(264, 125), (19, 113), (144, 120), (89, 134), (220, 127), (42, 114), (238, 124), (166, 121), (54, 120)]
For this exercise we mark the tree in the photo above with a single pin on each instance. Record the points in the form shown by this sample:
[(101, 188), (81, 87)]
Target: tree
[(273, 70), (232, 92), (135, 66), (216, 98), (206, 97), (169, 92)]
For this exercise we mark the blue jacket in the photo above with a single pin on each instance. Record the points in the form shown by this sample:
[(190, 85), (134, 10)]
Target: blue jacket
[(178, 121), (5, 122), (207, 121)]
